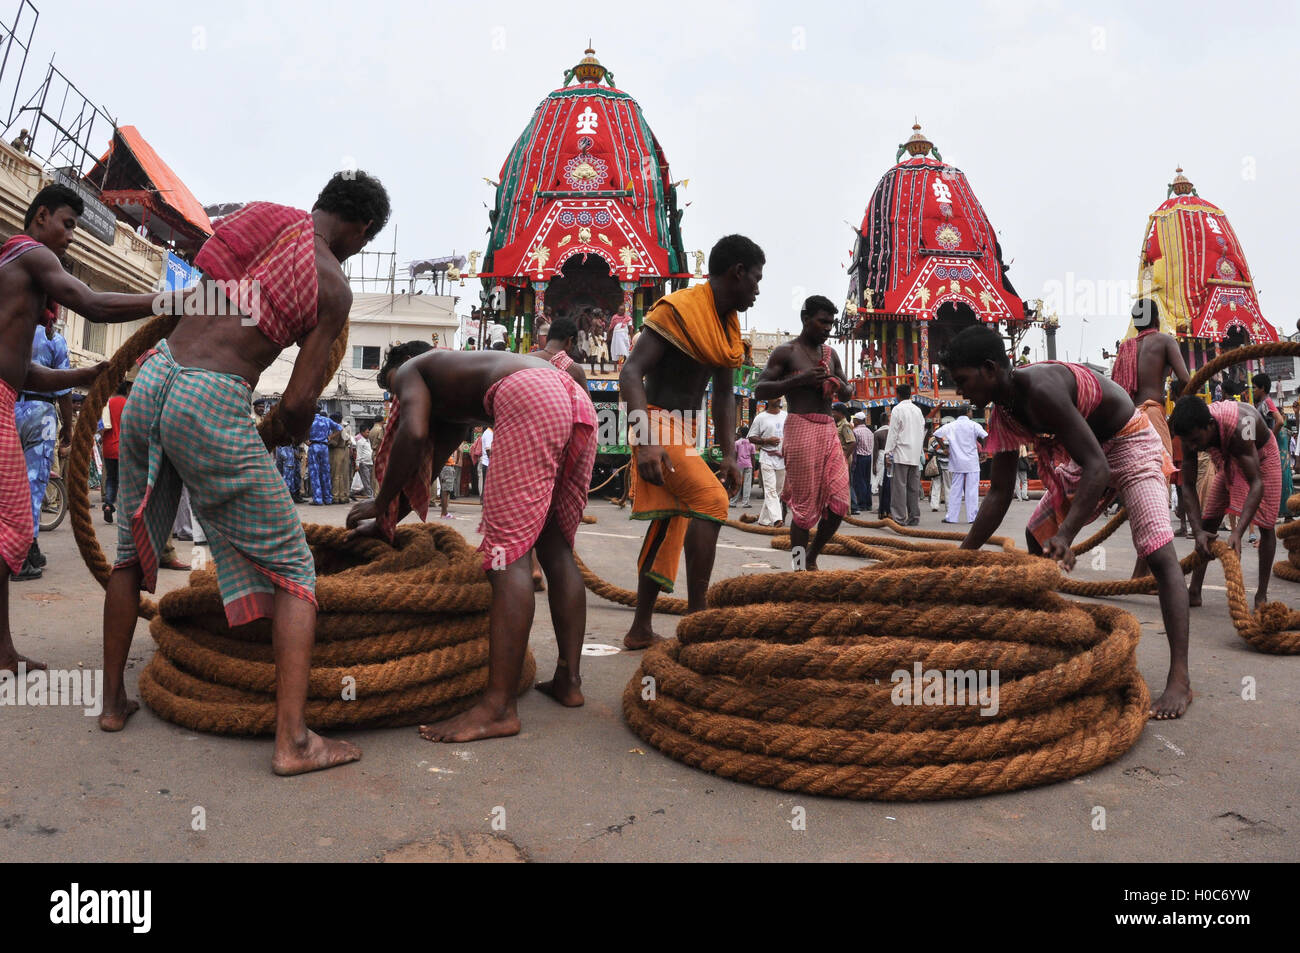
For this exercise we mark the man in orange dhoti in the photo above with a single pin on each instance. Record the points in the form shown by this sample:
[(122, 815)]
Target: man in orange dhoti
[(693, 337)]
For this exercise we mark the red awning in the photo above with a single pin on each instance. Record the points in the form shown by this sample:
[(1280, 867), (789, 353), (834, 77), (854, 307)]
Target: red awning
[(168, 184)]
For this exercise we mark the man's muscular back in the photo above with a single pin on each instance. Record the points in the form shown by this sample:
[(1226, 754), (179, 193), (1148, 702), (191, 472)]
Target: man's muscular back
[(1252, 428), (1158, 356), (231, 343), (1047, 392)]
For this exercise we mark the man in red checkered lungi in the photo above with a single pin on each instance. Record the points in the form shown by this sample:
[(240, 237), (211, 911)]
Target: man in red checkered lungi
[(1092, 445), (808, 373), (33, 284), (542, 455)]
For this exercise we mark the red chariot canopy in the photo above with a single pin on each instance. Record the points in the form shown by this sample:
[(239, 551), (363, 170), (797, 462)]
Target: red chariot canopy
[(587, 177), (1194, 265), (925, 241)]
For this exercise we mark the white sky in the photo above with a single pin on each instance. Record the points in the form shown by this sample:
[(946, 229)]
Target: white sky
[(1068, 118)]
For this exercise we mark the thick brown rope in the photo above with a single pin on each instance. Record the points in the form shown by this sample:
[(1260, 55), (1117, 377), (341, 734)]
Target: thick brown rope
[(402, 638), (1240, 355), (669, 605), (786, 680)]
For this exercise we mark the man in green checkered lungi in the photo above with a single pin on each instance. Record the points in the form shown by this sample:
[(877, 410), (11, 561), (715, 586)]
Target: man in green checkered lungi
[(272, 277)]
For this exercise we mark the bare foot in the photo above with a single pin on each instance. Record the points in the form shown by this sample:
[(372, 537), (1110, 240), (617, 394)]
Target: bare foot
[(539, 582), (1172, 704), (1193, 598), (479, 722), (1261, 600), (115, 715), (638, 638), (564, 687), (11, 664), (316, 754)]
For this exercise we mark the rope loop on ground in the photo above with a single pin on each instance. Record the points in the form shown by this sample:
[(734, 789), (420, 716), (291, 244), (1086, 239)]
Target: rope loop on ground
[(797, 680), (401, 639)]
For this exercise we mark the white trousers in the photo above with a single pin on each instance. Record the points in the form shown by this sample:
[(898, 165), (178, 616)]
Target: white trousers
[(773, 483), (939, 488), (965, 487)]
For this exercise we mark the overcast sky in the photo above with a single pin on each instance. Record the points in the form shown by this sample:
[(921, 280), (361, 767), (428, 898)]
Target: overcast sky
[(1067, 118)]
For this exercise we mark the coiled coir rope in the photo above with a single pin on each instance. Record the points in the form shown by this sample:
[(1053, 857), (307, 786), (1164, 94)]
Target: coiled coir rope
[(401, 631), (789, 680)]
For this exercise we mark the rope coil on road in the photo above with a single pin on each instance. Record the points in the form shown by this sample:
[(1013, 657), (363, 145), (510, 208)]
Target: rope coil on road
[(787, 680), (407, 624)]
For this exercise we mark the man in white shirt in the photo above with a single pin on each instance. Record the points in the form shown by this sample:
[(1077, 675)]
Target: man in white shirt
[(767, 432), (496, 334), (365, 463), (905, 448), (962, 438)]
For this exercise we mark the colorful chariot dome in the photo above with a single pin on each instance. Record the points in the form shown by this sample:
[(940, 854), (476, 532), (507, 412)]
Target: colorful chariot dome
[(1193, 266), (925, 242), (586, 177)]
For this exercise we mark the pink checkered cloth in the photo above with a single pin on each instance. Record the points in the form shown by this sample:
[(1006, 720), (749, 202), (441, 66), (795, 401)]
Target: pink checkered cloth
[(562, 361), (1008, 434), (1124, 373), (816, 474), (543, 449), (413, 496), (1228, 491), (271, 251), (15, 493), (1139, 475)]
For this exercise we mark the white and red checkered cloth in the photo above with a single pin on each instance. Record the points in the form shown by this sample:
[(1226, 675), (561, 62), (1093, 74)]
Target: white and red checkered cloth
[(1139, 475), (816, 473), (270, 250), (413, 496), (1229, 490), (543, 450), (15, 493)]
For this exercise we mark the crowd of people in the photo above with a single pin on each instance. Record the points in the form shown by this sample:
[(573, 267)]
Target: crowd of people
[(599, 338), (183, 440)]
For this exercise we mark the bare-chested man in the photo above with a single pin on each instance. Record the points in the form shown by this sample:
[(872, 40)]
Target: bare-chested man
[(808, 374), (1249, 479), (1092, 443), (559, 347), (544, 446), (1142, 367), (691, 336), (33, 284), (272, 277)]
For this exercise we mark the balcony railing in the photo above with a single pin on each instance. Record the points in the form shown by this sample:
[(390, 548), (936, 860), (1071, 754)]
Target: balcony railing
[(885, 386)]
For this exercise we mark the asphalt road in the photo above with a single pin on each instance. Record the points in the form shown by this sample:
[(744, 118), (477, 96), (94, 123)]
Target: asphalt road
[(1221, 784)]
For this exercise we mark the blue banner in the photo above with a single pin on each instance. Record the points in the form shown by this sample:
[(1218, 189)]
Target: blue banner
[(179, 274)]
